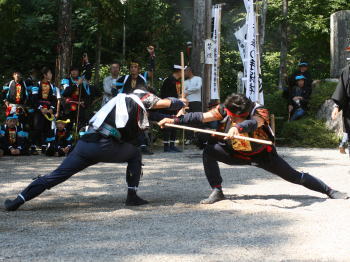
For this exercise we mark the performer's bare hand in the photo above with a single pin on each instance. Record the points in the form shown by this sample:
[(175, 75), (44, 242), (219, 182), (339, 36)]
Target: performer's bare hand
[(335, 113), (44, 110), (50, 111), (185, 100), (80, 81), (164, 121), (232, 133), (66, 149)]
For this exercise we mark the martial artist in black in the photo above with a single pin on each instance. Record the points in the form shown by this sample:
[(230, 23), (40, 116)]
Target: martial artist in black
[(341, 98), (110, 138), (240, 116)]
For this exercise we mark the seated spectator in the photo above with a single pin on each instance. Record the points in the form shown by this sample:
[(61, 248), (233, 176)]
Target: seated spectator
[(59, 141), (303, 70), (298, 99), (13, 140)]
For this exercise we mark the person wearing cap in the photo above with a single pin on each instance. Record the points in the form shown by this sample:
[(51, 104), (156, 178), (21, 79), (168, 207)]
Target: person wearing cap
[(303, 69), (171, 88), (13, 140), (110, 138), (299, 97), (240, 116), (76, 94), (341, 98), (59, 140)]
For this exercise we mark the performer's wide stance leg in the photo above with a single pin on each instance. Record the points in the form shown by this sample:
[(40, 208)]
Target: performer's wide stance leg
[(280, 167), (211, 155)]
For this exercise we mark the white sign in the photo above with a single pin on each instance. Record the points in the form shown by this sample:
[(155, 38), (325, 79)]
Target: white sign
[(209, 51)]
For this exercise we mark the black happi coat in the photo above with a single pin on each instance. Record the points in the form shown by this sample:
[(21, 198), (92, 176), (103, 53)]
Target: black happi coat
[(341, 97)]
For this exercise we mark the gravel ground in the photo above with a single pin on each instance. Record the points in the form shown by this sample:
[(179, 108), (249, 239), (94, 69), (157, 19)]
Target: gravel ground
[(264, 218)]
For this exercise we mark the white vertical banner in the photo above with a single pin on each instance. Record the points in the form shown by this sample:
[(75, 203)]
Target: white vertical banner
[(241, 36), (252, 62), (215, 72)]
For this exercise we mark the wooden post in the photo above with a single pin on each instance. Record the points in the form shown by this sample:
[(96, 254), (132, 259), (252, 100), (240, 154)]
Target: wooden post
[(183, 93)]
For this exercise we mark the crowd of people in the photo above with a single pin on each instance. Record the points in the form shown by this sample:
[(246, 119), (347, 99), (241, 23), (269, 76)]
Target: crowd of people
[(42, 117)]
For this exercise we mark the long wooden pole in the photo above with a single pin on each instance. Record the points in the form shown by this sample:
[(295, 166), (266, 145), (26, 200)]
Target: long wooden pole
[(260, 141), (183, 93)]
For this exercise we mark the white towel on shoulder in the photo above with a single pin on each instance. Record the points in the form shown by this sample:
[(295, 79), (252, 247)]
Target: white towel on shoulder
[(121, 112)]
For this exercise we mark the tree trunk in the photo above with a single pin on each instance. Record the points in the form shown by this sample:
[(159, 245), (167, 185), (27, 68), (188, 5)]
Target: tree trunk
[(201, 30), (262, 25), (284, 46), (65, 40), (98, 58)]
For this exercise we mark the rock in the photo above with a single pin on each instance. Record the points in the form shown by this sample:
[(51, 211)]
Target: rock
[(340, 39), (325, 113)]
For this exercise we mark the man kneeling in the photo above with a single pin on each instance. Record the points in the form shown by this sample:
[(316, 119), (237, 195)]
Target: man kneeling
[(240, 116)]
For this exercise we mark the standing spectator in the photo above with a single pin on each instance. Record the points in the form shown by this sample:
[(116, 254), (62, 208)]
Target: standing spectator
[(299, 97), (110, 82), (76, 94), (171, 88), (13, 140), (44, 98), (193, 93), (16, 97), (31, 82), (127, 83)]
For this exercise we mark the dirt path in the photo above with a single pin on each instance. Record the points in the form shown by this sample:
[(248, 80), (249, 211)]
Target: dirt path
[(264, 218)]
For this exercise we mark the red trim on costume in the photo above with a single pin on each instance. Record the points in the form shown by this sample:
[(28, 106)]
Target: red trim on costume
[(236, 115)]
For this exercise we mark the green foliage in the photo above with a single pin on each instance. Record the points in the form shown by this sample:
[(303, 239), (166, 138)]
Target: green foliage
[(308, 33), (308, 132), (321, 93)]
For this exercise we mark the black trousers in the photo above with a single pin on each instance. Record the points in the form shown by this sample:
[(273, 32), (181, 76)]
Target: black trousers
[(86, 154), (41, 126), (214, 153), (195, 106)]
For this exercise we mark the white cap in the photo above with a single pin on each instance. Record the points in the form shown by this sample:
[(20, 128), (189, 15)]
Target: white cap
[(179, 67)]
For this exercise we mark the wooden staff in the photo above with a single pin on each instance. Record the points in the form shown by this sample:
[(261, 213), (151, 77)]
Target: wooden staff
[(183, 93), (260, 141)]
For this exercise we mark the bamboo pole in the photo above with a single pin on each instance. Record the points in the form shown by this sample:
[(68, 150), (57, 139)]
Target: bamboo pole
[(260, 141), (183, 93)]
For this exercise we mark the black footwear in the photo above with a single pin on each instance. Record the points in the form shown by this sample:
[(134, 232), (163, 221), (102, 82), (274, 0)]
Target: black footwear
[(215, 196), (12, 205), (146, 151), (33, 151), (174, 149), (134, 200), (334, 194), (166, 147)]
